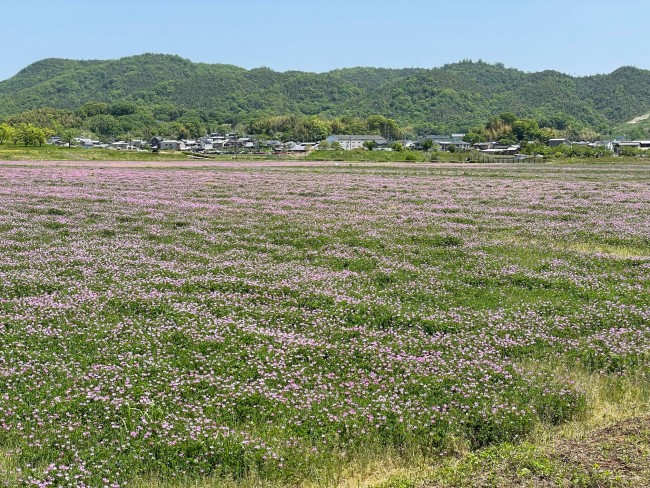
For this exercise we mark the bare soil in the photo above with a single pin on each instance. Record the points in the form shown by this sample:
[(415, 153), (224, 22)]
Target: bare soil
[(638, 119)]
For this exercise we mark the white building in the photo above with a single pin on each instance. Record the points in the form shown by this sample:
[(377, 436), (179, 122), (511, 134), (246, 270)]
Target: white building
[(350, 142), (169, 145), (205, 144), (121, 145)]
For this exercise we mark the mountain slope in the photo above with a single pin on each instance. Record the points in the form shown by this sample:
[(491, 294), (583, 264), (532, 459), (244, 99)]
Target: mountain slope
[(457, 95)]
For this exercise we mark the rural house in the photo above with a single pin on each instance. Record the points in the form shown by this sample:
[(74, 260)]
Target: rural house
[(350, 142)]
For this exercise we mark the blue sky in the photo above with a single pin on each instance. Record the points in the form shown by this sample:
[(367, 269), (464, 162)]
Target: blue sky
[(578, 37)]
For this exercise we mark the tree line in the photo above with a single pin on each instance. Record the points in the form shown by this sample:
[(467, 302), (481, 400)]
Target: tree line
[(507, 128), (129, 120), (26, 133)]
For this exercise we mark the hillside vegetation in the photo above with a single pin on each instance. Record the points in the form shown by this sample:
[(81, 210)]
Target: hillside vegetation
[(450, 98), (637, 128)]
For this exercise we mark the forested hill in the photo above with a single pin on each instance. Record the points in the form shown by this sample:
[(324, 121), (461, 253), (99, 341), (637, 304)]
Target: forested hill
[(456, 96)]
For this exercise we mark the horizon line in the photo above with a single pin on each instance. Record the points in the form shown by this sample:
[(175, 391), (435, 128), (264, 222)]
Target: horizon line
[(294, 70)]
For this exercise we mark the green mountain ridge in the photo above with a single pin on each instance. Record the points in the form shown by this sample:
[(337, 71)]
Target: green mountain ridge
[(456, 96)]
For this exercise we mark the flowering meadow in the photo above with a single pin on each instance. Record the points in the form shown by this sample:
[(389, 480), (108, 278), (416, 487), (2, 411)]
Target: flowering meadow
[(270, 321)]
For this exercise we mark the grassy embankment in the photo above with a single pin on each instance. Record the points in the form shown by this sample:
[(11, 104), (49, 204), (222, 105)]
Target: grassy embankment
[(57, 153), (10, 152)]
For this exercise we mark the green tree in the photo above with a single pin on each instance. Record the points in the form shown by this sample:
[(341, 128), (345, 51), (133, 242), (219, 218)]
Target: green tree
[(508, 139), (194, 125), (317, 128), (39, 136), (147, 132), (6, 132), (180, 131), (376, 123), (391, 130), (496, 128), (635, 134), (526, 129), (427, 144), (48, 132), (369, 144), (629, 151), (474, 137), (51, 118), (397, 146), (30, 134), (508, 118), (588, 134), (104, 125), (23, 133), (349, 125), (68, 137), (91, 109), (122, 108), (546, 133)]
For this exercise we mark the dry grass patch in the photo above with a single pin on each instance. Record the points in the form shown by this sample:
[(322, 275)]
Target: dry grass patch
[(621, 452)]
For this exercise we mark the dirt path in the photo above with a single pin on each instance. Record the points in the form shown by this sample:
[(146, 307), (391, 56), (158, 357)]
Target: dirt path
[(638, 119)]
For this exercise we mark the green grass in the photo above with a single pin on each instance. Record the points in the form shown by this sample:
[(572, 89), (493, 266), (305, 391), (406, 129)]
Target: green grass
[(386, 156), (47, 152)]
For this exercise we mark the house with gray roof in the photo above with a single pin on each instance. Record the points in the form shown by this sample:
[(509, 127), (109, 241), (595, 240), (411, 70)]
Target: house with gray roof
[(445, 142)]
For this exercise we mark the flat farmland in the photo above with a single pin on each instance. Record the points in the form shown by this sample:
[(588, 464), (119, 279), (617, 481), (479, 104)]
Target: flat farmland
[(292, 325)]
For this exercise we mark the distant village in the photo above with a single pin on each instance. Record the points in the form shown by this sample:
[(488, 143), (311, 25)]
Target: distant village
[(232, 143)]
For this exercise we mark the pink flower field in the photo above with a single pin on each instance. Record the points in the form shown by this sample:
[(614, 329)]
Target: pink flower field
[(277, 321)]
